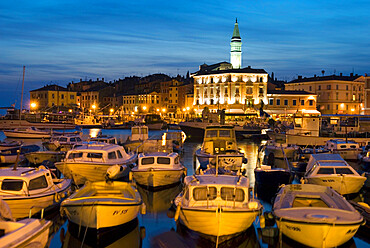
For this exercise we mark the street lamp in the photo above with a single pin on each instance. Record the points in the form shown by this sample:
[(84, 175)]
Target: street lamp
[(111, 111), (33, 105)]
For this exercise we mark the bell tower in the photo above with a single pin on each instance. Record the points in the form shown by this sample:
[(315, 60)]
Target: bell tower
[(236, 48)]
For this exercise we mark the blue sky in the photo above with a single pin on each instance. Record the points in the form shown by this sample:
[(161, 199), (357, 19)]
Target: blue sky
[(64, 40)]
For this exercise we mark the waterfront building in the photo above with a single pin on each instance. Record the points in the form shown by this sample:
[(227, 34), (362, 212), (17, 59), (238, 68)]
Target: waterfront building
[(229, 86), (52, 96), (335, 94), (142, 103), (289, 102), (367, 94)]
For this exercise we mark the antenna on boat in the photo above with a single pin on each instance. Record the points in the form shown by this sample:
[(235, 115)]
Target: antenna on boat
[(21, 108)]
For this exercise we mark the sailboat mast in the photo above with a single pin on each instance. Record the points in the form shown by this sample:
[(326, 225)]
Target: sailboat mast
[(21, 108)]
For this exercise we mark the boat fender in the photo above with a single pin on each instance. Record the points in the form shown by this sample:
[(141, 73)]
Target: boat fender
[(143, 208), (253, 205), (57, 197), (177, 214), (262, 221), (245, 161), (130, 176)]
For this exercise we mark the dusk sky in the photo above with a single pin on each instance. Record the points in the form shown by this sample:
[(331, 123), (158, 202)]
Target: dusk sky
[(60, 41)]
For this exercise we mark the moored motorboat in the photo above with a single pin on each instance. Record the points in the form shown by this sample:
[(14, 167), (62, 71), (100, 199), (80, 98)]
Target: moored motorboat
[(220, 141), (158, 169), (315, 215), (14, 155), (41, 156), (274, 150), (29, 190), (347, 149), (63, 142), (216, 205), (90, 162), (5, 145), (22, 233), (103, 204), (333, 171), (27, 133)]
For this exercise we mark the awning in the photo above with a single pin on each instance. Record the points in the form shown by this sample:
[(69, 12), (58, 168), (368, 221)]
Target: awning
[(280, 111), (313, 111)]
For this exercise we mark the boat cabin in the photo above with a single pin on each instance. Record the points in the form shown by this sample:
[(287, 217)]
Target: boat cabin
[(340, 144), (97, 152), (105, 139), (213, 191), (219, 139), (75, 138), (158, 160), (24, 181), (328, 164), (139, 133)]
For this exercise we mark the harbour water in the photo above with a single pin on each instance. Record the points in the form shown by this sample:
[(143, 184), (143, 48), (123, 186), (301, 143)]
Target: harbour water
[(155, 225)]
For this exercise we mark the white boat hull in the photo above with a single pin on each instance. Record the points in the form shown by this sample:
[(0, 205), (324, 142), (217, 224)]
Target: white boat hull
[(217, 222), (157, 178), (22, 206), (348, 154), (343, 184), (33, 233), (317, 234), (26, 135), (82, 172), (99, 215)]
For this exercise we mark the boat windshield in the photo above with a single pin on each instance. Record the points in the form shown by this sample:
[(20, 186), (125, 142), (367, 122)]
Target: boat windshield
[(74, 155), (228, 194), (95, 155), (225, 133), (343, 171), (326, 171), (204, 193), (146, 161), (12, 184), (211, 133), (163, 160)]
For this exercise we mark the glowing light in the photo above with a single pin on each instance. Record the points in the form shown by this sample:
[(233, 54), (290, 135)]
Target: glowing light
[(144, 107), (93, 106), (311, 98), (111, 110), (70, 110), (187, 108), (184, 109), (163, 110), (33, 105), (157, 110), (342, 105), (94, 132), (352, 109), (224, 79)]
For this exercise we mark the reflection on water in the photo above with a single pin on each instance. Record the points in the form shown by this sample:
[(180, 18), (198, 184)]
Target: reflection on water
[(127, 235), (156, 223), (159, 200)]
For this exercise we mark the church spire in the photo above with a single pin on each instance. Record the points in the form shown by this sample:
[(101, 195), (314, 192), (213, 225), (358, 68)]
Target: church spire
[(236, 48), (236, 34)]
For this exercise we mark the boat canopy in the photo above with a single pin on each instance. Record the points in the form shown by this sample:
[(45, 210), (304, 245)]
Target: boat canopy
[(326, 159)]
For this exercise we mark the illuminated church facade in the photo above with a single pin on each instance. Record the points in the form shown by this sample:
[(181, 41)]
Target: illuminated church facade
[(229, 86)]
